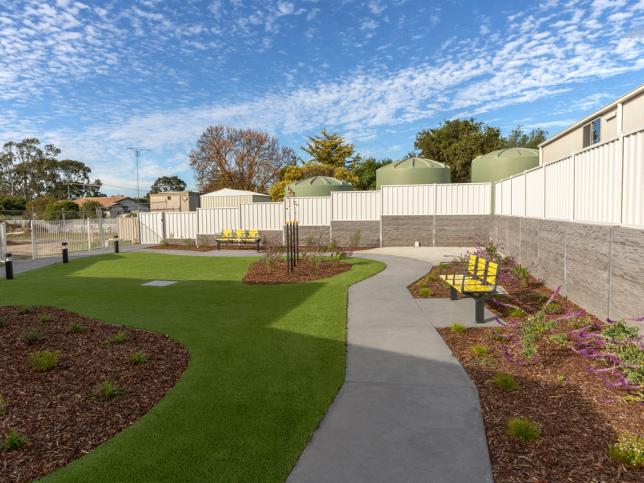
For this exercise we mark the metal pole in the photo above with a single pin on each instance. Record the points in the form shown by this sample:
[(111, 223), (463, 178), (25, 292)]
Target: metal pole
[(8, 267), (116, 244), (65, 253)]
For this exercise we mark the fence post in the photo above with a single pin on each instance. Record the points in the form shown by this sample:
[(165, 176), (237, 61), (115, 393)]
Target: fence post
[(163, 230), (574, 184), (434, 216), (89, 235), (34, 251)]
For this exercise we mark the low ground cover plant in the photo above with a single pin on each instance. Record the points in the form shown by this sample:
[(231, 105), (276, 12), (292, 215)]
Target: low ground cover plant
[(13, 440), (628, 450), (480, 350), (3, 406), (505, 381), (34, 335), (457, 328), (43, 361), (119, 338), (524, 429), (107, 390), (139, 357), (77, 328)]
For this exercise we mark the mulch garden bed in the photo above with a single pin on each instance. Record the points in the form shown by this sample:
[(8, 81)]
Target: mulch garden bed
[(305, 271), (60, 412), (192, 248), (579, 415)]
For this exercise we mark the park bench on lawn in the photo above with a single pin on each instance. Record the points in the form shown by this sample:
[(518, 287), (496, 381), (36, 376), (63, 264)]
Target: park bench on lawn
[(478, 282), (238, 237)]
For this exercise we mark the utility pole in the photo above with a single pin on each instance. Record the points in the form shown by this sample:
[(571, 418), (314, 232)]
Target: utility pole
[(137, 155)]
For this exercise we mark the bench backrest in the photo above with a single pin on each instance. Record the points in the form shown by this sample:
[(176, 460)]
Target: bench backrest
[(484, 270), (240, 233), (227, 233), (253, 234)]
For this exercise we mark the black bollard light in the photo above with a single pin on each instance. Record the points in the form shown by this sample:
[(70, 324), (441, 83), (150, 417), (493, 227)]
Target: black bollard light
[(65, 253), (116, 244), (8, 266)]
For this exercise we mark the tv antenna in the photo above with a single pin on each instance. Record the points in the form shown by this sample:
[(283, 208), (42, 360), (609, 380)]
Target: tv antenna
[(137, 155)]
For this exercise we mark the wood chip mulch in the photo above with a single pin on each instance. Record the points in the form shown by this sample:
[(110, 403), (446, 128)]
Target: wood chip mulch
[(58, 410), (578, 415), (305, 271)]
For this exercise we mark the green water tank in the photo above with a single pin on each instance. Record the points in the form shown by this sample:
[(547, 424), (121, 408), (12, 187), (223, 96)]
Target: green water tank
[(503, 163), (317, 186), (413, 170)]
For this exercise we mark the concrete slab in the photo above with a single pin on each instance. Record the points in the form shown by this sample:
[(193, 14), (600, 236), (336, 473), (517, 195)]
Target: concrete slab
[(445, 312), (433, 255), (159, 283), (407, 411)]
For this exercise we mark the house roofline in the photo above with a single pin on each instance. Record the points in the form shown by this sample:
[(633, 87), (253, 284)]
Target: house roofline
[(635, 92)]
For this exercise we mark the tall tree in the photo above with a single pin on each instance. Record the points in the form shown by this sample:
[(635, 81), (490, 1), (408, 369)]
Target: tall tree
[(520, 139), (330, 148), (167, 183), (31, 171), (238, 158), (457, 142), (365, 172)]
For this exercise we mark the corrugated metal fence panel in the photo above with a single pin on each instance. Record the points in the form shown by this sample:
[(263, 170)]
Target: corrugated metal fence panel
[(559, 189), (224, 201), (214, 220), (408, 199), (518, 195), (498, 198), (128, 229), (463, 199), (633, 190), (181, 225), (598, 179), (151, 225), (262, 216), (355, 205), (311, 210), (506, 198), (534, 207)]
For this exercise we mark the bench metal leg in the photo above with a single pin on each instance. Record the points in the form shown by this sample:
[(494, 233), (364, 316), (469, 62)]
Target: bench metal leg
[(218, 245), (257, 243), (452, 293), (480, 310)]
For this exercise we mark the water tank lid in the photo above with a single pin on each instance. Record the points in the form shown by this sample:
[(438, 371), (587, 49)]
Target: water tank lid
[(321, 181), (510, 153), (416, 162)]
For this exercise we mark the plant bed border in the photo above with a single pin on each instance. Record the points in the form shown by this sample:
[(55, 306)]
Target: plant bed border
[(60, 410)]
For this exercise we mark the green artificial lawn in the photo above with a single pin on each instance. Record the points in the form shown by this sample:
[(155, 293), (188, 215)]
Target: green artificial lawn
[(266, 362)]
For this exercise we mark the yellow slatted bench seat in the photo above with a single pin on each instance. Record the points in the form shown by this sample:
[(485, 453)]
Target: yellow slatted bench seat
[(479, 282), (238, 237)]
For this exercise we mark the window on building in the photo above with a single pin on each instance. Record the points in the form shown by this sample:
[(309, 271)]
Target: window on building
[(592, 132)]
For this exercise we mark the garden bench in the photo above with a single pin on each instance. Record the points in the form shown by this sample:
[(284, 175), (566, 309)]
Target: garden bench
[(478, 282), (240, 237)]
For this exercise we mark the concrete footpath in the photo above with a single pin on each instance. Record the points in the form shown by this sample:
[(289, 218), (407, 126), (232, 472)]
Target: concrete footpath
[(407, 410)]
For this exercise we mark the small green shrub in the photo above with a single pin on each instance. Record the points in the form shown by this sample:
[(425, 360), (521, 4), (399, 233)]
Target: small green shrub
[(25, 309), (457, 328), (13, 440), (505, 382), (139, 357), (480, 350), (553, 308), (107, 390), (629, 449), (3, 406), (522, 274), (516, 312), (425, 292), (46, 318), (579, 322), (560, 339), (34, 335), (523, 429), (44, 361), (619, 330), (431, 278), (560, 377), (118, 338), (77, 328)]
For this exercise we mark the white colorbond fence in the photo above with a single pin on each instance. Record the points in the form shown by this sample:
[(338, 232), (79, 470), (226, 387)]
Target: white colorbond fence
[(355, 205), (602, 184), (447, 199), (437, 199)]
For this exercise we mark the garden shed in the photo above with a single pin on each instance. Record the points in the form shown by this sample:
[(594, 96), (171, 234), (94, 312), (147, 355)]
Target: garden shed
[(230, 198), (413, 170)]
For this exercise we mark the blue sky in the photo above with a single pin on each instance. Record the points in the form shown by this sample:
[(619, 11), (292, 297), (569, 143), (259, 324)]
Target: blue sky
[(97, 77)]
